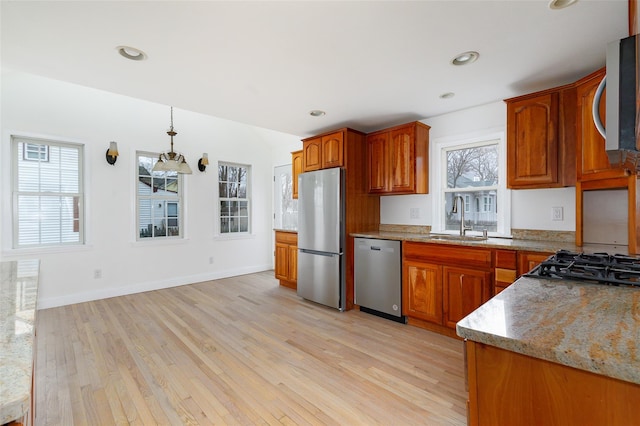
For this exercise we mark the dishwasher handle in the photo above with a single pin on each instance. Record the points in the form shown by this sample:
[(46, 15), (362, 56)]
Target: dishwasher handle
[(381, 249)]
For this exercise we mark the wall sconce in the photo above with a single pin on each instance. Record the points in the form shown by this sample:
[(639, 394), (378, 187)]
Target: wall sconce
[(203, 162), (112, 153)]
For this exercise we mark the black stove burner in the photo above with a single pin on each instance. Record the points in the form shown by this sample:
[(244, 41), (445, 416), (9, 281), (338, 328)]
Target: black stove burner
[(601, 268)]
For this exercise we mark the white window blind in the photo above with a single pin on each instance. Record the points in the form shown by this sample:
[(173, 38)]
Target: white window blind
[(47, 193)]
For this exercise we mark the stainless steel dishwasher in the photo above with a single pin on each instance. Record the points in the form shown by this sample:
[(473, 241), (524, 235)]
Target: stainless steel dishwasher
[(378, 278)]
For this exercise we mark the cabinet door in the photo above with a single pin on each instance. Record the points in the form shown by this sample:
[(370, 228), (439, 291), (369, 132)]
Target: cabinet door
[(297, 167), (593, 162), (402, 156), (333, 150), (532, 142), (282, 261), (422, 291), (377, 146), (464, 291), (312, 154), (293, 263)]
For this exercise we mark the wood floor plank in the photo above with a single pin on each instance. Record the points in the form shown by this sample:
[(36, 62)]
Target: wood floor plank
[(240, 351)]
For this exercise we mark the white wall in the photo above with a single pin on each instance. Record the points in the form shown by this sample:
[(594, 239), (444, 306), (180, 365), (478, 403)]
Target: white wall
[(530, 209), (35, 106)]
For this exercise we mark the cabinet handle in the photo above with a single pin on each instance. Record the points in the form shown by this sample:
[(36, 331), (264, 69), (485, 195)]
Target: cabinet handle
[(461, 277)]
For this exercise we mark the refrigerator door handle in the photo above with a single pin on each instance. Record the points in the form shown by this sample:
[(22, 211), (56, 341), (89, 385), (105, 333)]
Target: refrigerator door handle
[(319, 253)]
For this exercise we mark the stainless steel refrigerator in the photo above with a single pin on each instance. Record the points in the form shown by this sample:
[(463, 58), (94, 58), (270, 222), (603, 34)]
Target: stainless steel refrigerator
[(321, 237)]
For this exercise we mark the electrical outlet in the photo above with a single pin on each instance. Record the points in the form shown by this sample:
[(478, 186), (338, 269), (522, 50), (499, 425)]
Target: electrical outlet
[(211, 260), (97, 274), (414, 213), (557, 213)]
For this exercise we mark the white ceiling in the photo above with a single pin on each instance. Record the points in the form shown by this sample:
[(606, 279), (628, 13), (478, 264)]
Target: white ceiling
[(369, 65)]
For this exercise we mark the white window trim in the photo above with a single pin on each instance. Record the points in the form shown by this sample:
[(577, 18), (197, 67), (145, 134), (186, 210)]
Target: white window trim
[(438, 176), (6, 203), (9, 245), (234, 235)]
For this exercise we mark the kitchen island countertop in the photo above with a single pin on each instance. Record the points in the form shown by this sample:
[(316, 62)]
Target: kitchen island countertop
[(18, 297), (587, 326)]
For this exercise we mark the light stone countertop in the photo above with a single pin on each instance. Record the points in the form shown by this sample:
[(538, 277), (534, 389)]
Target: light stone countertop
[(496, 243), (18, 297), (587, 326)]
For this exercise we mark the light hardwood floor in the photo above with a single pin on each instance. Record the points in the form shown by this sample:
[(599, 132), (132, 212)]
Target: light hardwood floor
[(240, 350)]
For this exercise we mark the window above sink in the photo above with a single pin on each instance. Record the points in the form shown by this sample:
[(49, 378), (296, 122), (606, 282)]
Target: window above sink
[(475, 169)]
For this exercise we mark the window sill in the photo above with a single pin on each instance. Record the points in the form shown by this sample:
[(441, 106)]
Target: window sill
[(31, 251), (155, 242), (234, 236)]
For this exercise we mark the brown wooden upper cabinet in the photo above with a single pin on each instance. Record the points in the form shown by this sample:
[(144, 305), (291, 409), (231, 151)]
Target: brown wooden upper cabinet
[(398, 159), (323, 152), (541, 139), (593, 162), (296, 169)]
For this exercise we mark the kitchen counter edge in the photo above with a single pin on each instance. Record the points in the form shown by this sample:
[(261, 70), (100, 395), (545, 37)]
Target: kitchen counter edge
[(495, 243), (586, 326)]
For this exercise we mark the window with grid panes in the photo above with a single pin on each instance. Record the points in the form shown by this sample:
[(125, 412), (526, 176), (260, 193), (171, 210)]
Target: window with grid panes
[(48, 193), (233, 195), (471, 171)]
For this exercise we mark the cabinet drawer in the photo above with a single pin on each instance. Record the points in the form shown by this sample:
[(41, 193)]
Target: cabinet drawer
[(448, 254), (287, 238), (506, 259)]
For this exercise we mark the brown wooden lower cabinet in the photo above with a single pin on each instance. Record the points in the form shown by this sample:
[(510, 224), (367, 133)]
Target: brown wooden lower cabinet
[(286, 258), (422, 291), (442, 284), (464, 291), (507, 388)]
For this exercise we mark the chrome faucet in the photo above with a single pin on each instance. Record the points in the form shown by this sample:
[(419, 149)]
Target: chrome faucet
[(463, 229)]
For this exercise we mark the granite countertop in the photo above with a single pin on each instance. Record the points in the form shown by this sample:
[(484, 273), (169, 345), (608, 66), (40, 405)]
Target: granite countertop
[(587, 326), (495, 243), (18, 297)]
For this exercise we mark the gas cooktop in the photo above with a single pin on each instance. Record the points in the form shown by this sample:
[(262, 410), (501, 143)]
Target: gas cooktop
[(600, 268)]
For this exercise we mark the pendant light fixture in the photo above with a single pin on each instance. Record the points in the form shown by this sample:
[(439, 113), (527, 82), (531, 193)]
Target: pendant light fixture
[(172, 161)]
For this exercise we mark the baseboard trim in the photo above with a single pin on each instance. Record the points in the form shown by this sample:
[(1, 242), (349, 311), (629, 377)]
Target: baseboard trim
[(53, 302)]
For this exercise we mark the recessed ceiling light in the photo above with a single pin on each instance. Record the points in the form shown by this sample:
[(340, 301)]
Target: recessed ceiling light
[(465, 58), (317, 113), (447, 95), (560, 4), (131, 53)]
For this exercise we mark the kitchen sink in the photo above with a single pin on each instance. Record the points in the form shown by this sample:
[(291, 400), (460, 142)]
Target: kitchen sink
[(453, 237)]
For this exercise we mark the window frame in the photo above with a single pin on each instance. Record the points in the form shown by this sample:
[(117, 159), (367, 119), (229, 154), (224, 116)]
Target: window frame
[(79, 197), (248, 199), (163, 198), (439, 178)]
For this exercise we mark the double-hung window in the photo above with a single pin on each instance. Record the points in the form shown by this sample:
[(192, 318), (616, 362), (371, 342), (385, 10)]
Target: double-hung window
[(471, 173), (48, 193), (159, 200), (233, 195)]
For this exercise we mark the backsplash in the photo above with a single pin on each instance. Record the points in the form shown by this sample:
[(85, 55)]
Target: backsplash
[(409, 229), (518, 234), (543, 235)]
